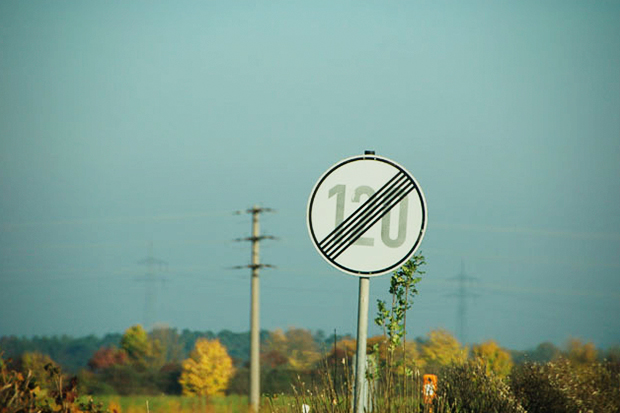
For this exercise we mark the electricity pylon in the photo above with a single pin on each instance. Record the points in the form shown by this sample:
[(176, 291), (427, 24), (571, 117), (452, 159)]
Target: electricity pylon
[(153, 265), (254, 306), (462, 294)]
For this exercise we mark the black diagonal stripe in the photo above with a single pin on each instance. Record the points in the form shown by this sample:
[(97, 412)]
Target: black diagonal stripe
[(372, 220), (361, 213), (368, 209), (360, 210), (352, 219), (355, 231)]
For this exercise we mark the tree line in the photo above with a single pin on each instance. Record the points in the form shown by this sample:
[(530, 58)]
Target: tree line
[(73, 354), (141, 362)]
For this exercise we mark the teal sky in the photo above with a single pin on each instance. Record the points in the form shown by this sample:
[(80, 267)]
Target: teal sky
[(129, 123)]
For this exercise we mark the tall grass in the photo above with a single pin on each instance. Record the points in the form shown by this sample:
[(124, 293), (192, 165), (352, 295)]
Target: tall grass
[(462, 388), (327, 394)]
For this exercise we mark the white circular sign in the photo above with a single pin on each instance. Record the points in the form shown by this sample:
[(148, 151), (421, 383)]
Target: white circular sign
[(367, 215)]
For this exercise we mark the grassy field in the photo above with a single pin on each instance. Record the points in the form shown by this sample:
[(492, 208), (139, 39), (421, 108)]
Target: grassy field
[(182, 404), (222, 404), (174, 404)]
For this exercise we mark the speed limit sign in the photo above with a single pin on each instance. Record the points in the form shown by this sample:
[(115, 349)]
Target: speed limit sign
[(366, 215)]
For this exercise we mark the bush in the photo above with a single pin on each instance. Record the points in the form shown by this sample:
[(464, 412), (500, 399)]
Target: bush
[(19, 392), (538, 388), (469, 388), (562, 386)]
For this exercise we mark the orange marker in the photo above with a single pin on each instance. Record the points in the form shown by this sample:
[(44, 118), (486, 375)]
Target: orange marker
[(430, 388)]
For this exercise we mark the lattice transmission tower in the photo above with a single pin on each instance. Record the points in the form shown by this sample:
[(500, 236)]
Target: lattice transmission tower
[(154, 267), (462, 293)]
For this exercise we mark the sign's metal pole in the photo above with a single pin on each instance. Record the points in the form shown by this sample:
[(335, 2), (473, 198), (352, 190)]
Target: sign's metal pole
[(254, 319), (362, 333)]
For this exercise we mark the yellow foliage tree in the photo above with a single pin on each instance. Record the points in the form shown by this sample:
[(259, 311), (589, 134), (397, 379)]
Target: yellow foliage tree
[(442, 349), (496, 359), (208, 369)]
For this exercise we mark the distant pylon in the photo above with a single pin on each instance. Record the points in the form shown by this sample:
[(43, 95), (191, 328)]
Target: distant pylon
[(462, 294), (153, 265)]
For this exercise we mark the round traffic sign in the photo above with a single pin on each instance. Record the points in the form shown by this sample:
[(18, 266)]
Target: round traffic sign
[(366, 215)]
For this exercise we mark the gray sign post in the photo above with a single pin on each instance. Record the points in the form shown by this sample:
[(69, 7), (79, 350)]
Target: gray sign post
[(366, 217), (362, 335)]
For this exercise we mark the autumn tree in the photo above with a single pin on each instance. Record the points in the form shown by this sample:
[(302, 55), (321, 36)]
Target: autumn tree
[(107, 357), (208, 369), (143, 351), (442, 349), (581, 353), (296, 345), (135, 342), (495, 359)]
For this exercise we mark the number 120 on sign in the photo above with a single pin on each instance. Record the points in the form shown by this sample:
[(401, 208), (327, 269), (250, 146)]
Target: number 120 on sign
[(366, 215)]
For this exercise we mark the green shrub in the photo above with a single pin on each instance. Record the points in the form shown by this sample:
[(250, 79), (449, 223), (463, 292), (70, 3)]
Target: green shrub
[(562, 386), (469, 388)]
